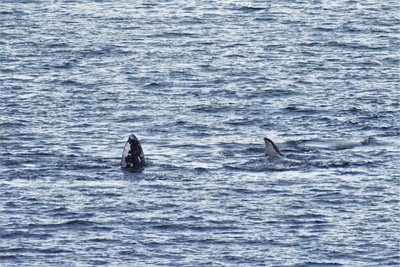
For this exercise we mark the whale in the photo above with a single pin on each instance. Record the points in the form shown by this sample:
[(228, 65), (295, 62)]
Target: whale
[(271, 149), (132, 155)]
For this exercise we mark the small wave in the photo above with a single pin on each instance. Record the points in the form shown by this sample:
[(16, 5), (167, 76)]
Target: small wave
[(82, 166), (342, 163), (254, 150), (250, 8), (201, 170), (324, 29), (72, 83), (8, 257), (353, 46), (23, 234), (72, 223), (156, 85), (301, 110), (36, 250), (6, 12), (12, 125), (58, 45), (174, 35), (79, 223), (333, 144), (369, 140), (243, 121), (319, 264), (267, 164), (63, 65)]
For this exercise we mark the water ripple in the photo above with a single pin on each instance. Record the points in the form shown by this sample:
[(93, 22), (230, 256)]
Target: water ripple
[(201, 85)]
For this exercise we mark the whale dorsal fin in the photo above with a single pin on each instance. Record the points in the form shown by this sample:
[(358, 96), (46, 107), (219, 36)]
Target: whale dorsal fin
[(270, 148)]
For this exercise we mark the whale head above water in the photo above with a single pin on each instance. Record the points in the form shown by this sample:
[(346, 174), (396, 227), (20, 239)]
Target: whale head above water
[(270, 148), (132, 155)]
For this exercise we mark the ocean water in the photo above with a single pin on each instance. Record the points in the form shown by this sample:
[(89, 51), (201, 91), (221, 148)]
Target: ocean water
[(200, 83)]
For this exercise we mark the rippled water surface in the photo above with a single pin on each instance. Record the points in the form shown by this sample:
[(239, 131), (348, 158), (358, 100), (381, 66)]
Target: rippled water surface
[(201, 83)]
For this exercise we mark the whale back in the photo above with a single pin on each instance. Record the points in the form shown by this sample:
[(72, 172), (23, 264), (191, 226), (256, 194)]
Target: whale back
[(271, 149), (132, 155)]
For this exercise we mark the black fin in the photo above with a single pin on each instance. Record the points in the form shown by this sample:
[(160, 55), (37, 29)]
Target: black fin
[(270, 148)]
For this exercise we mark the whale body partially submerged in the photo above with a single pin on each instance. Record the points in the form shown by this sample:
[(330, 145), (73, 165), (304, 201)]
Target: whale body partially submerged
[(132, 155)]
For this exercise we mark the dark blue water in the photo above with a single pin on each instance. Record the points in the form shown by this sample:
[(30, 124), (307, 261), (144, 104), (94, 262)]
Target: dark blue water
[(201, 83)]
